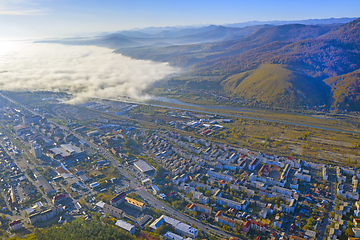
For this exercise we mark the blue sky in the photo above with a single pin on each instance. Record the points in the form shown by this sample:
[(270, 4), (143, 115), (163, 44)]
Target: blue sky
[(50, 18)]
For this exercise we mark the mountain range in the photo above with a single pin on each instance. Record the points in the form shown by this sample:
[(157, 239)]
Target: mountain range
[(287, 65)]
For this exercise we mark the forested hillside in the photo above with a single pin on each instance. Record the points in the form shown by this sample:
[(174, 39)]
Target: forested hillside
[(299, 60)]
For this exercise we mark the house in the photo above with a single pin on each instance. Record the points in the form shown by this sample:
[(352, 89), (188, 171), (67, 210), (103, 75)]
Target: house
[(118, 199), (15, 225), (246, 227), (222, 183), (199, 207), (232, 204), (278, 222), (155, 189), (58, 198), (254, 163), (302, 176), (325, 173), (263, 213), (219, 176), (356, 222), (224, 220), (356, 232), (310, 234), (254, 225), (45, 215), (203, 208)]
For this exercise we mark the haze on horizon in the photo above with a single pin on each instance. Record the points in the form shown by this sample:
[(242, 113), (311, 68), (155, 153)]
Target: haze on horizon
[(58, 18), (84, 71)]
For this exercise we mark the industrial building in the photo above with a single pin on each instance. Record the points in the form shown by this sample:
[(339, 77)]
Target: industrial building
[(125, 226), (113, 211), (180, 228), (143, 167), (66, 152)]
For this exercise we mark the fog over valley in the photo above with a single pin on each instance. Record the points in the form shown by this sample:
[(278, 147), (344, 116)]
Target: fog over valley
[(85, 71)]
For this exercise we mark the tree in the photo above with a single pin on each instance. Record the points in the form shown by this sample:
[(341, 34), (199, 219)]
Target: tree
[(349, 232)]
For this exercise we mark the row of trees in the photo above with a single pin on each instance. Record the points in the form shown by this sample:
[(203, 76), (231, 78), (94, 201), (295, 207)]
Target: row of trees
[(79, 231)]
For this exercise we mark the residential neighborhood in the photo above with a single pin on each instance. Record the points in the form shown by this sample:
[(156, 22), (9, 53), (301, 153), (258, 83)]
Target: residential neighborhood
[(166, 182)]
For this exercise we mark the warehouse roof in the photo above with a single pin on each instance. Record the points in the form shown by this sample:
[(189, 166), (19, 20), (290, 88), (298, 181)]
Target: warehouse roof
[(143, 166)]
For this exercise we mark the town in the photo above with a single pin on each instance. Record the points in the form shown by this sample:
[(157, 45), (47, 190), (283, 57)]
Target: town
[(164, 183)]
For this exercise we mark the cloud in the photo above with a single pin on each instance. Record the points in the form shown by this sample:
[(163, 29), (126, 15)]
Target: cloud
[(23, 12), (21, 8), (85, 71)]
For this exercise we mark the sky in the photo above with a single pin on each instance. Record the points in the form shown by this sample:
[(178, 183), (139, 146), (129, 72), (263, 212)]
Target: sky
[(52, 18)]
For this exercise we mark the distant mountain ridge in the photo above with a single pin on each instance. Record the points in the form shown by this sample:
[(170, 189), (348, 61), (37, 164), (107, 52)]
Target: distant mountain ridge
[(287, 65), (327, 21), (314, 55)]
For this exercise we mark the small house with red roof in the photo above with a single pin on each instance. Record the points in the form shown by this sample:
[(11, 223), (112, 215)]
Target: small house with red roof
[(15, 225), (58, 198)]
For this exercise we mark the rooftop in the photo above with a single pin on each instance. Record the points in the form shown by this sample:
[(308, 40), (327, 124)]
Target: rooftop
[(143, 166), (173, 236), (134, 202), (118, 197), (124, 225)]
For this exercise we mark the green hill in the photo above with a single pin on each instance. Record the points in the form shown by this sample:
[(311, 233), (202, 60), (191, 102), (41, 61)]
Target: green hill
[(275, 85)]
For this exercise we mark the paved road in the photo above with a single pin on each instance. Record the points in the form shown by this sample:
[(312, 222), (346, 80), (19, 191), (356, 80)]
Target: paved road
[(134, 184), (326, 221)]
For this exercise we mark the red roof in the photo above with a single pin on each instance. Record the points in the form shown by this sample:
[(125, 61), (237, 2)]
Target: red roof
[(246, 224), (222, 182), (59, 197), (14, 223), (190, 206), (61, 170), (257, 223), (357, 220), (118, 197), (225, 219)]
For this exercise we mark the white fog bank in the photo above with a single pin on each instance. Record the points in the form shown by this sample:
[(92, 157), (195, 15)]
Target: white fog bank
[(85, 71)]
